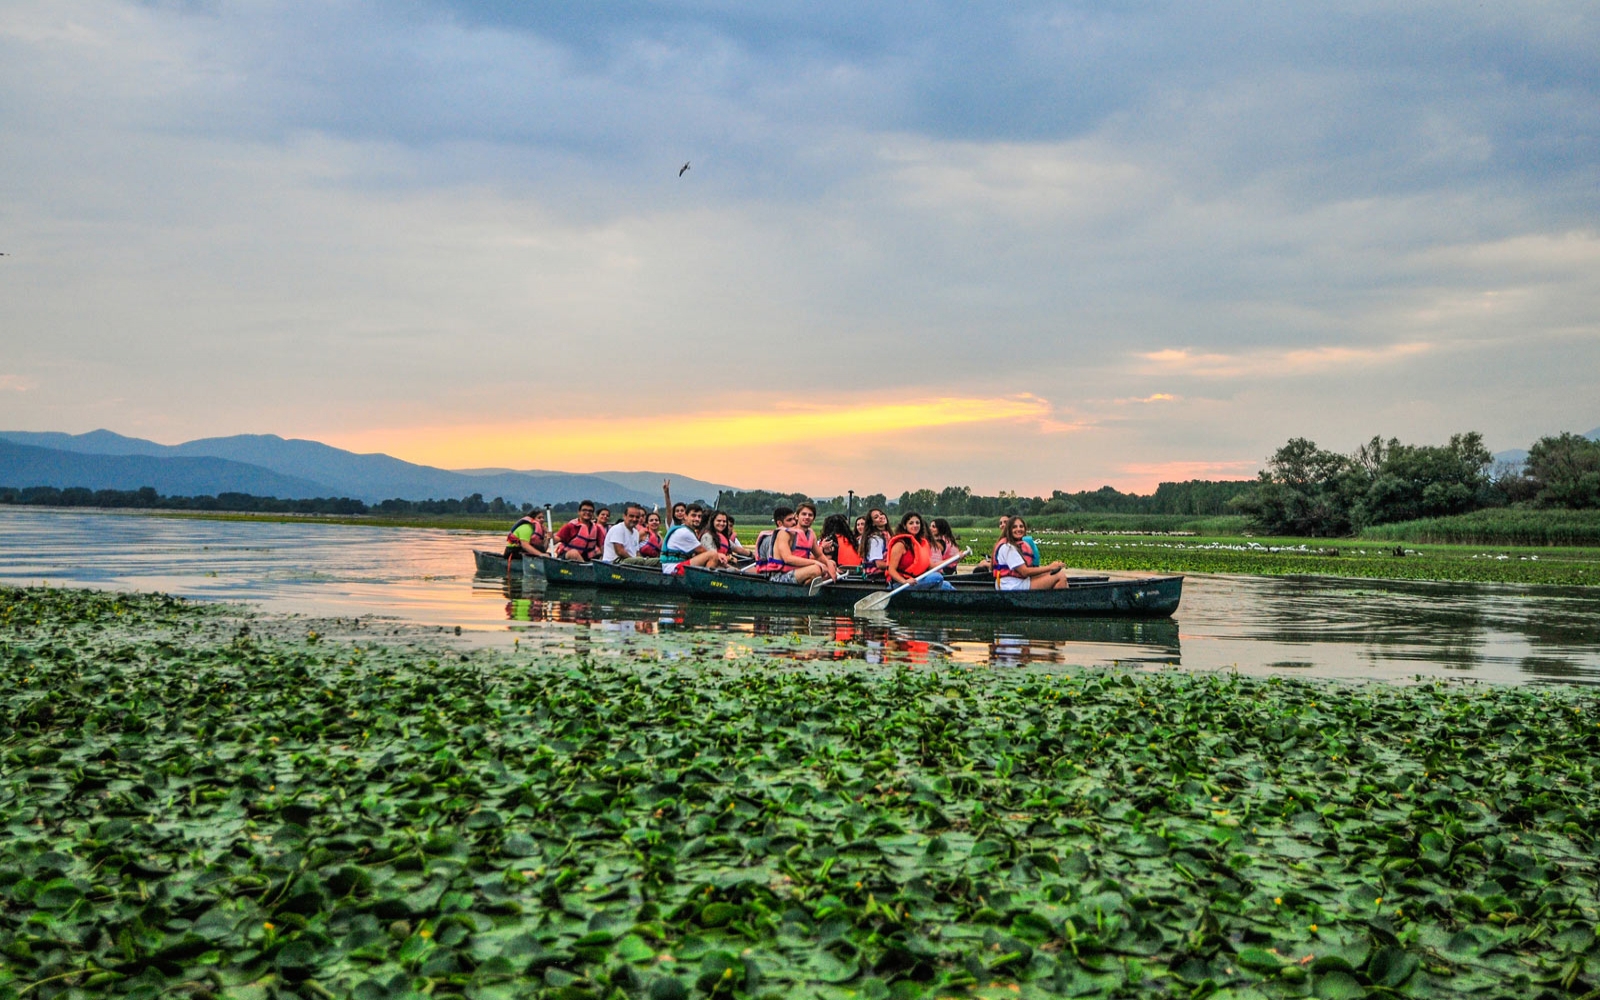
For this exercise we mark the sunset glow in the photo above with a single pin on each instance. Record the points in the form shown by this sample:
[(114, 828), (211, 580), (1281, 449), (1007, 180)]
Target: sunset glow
[(696, 441)]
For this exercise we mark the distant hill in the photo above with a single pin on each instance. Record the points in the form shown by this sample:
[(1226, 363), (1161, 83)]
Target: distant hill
[(1517, 456), (327, 471), (24, 465)]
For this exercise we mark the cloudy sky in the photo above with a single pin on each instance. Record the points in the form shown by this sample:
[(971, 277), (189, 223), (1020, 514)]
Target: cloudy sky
[(1008, 245)]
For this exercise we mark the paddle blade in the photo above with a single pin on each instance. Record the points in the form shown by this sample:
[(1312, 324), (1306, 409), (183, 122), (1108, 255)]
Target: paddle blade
[(873, 602)]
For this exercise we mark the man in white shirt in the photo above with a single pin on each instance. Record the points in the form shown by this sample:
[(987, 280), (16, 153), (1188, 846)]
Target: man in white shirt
[(622, 540), (682, 544)]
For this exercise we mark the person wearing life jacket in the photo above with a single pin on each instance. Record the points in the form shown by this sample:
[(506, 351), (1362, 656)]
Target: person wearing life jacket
[(739, 548), (528, 536), (986, 564), (602, 517), (650, 537), (775, 557), (874, 545), (944, 543), (1012, 569), (803, 540), (911, 555), (580, 539), (717, 534), (681, 546), (839, 542)]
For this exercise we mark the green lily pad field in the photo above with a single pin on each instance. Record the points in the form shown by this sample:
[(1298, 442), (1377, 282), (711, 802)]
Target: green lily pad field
[(200, 804)]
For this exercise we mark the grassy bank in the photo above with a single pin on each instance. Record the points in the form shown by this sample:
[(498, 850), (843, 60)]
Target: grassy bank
[(1372, 559), (1505, 526), (256, 818), (1118, 523)]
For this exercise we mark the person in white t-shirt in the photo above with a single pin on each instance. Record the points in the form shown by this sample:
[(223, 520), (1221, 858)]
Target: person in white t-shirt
[(682, 544), (622, 539), (1013, 570)]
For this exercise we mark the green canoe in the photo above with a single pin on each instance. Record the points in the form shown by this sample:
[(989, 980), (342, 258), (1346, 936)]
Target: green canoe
[(1145, 597)]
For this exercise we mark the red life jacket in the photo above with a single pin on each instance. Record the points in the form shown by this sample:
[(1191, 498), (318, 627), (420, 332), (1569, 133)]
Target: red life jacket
[(846, 555), (514, 544), (586, 539), (804, 543), (650, 547), (724, 543), (918, 557)]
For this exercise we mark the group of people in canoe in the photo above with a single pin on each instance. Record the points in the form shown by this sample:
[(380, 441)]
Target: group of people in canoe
[(791, 551)]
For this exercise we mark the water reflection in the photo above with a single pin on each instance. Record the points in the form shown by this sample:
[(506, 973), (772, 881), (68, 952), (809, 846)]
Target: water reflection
[(1307, 626), (832, 635)]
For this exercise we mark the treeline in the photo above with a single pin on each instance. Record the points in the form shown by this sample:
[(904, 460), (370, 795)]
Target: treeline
[(1196, 497), (147, 498), (1308, 491)]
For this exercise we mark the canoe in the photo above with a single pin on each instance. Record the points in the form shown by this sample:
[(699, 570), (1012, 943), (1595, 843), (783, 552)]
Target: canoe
[(520, 565), (1145, 597), (614, 577)]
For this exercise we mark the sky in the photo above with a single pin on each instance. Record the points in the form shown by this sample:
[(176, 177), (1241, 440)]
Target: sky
[(1012, 246)]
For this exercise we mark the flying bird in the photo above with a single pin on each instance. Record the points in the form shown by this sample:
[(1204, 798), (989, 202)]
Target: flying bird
[(682, 169)]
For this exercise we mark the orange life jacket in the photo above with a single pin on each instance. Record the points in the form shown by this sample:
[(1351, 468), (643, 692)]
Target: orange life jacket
[(804, 543), (918, 556), (846, 554)]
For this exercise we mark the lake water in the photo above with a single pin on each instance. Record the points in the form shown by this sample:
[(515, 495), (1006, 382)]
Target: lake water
[(1325, 627)]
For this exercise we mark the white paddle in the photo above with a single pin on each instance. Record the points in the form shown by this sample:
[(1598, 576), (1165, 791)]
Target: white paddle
[(877, 602)]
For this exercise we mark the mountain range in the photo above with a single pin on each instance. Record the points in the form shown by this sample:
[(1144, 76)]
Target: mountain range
[(268, 465), (1516, 456)]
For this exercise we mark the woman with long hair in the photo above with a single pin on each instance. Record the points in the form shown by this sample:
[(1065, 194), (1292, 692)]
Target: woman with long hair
[(874, 545), (1012, 568), (717, 535), (839, 542), (650, 536), (911, 555), (944, 543)]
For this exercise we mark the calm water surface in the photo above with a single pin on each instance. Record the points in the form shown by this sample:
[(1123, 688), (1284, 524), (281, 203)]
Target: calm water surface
[(1305, 626)]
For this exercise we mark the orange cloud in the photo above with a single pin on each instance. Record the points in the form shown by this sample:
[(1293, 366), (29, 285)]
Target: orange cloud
[(600, 440), (1299, 361), (1158, 397)]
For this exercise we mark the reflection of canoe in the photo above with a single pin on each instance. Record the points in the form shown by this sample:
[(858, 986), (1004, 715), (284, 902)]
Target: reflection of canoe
[(1147, 597), (614, 577)]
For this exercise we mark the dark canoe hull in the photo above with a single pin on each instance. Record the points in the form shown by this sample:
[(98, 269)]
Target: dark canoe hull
[(613, 577), (1147, 597), (565, 573), (521, 566)]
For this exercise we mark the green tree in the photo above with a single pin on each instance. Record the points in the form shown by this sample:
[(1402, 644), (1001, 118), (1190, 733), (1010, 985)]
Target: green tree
[(1304, 490), (952, 501), (1405, 482), (919, 500), (1567, 470)]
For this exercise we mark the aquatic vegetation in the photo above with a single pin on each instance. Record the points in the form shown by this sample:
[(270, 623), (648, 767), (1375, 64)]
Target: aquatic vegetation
[(193, 808)]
